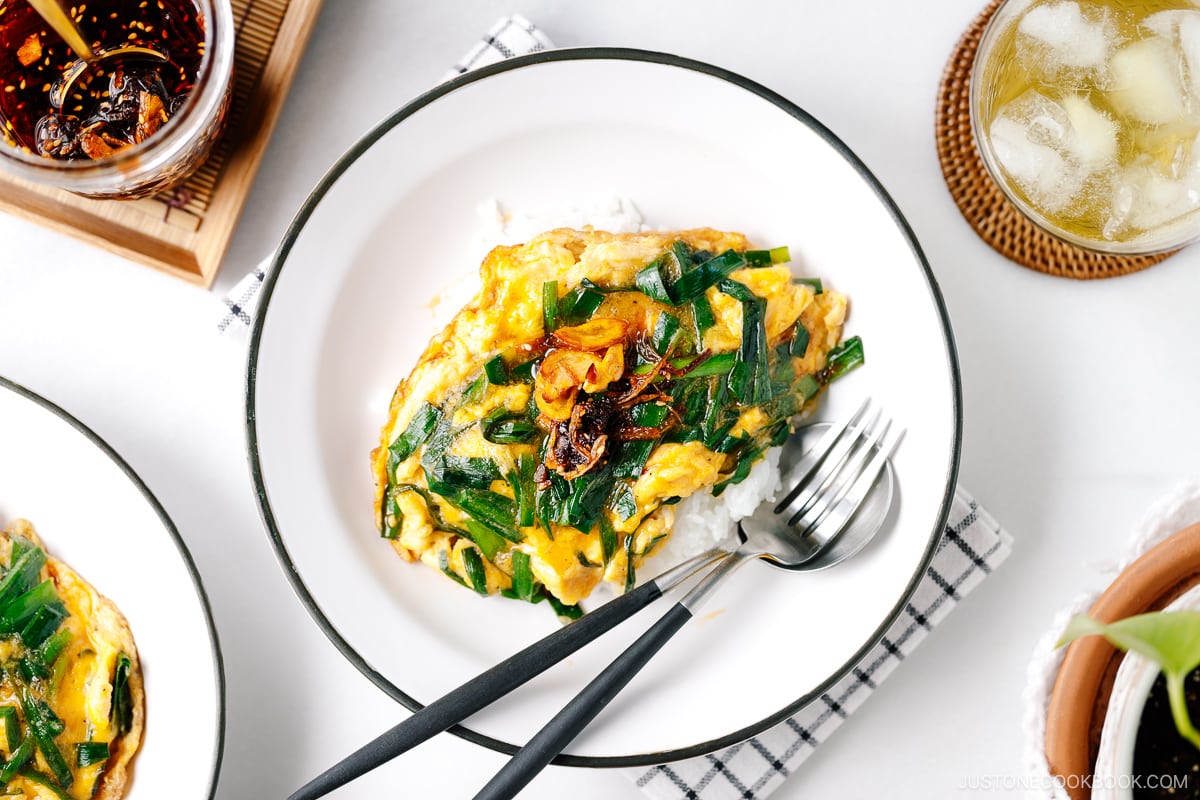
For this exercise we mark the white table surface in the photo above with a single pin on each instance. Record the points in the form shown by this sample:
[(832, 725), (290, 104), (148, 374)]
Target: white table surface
[(1080, 397)]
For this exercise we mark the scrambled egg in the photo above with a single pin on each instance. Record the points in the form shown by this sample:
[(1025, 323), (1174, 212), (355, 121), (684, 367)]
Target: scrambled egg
[(83, 684), (587, 380)]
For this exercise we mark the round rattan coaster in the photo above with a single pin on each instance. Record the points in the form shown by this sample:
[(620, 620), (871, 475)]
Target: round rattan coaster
[(985, 207)]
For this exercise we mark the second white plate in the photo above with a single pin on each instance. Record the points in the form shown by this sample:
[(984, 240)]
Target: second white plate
[(95, 514)]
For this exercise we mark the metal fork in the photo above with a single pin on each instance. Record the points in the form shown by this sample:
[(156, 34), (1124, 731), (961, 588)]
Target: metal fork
[(815, 546), (832, 481)]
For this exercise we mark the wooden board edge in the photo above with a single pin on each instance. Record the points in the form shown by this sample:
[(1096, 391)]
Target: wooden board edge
[(265, 107), (174, 260)]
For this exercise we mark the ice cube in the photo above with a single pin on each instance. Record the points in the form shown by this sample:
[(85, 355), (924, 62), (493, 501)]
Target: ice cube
[(1041, 171), (1061, 35), (1153, 199), (1092, 134), (1051, 150), (1182, 29), (1145, 82)]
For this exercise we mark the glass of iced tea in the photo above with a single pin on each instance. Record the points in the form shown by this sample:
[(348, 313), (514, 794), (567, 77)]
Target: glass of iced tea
[(1087, 115), (136, 117)]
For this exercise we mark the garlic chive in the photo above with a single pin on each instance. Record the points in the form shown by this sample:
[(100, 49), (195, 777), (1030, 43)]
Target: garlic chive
[(665, 331), (419, 429), (12, 727), (652, 283), (17, 760), (496, 371), (88, 753), (473, 566), (522, 578), (550, 305), (843, 358)]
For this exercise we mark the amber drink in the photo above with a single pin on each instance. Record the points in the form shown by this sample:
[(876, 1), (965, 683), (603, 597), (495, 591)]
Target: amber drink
[(1087, 114)]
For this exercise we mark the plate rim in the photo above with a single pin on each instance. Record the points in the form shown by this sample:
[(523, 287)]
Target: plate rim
[(368, 140), (181, 546)]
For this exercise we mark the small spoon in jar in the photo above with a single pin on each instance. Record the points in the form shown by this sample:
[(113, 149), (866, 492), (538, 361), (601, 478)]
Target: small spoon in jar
[(63, 24), (63, 86)]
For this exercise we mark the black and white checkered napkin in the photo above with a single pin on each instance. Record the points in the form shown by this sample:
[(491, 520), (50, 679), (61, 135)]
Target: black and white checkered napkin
[(972, 546), (511, 36)]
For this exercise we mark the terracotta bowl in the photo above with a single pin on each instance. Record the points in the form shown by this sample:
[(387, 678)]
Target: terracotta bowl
[(1079, 699)]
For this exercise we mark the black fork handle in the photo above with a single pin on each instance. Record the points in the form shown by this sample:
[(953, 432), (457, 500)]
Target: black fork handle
[(576, 715), (480, 691)]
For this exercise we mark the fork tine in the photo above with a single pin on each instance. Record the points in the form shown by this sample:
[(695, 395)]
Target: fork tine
[(835, 522), (837, 486), (813, 458), (825, 481)]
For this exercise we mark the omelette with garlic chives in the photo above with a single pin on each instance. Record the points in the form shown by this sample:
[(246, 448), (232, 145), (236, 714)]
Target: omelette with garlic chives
[(71, 710), (543, 438)]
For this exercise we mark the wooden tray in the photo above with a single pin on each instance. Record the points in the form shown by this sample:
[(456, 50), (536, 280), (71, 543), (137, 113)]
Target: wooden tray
[(185, 232)]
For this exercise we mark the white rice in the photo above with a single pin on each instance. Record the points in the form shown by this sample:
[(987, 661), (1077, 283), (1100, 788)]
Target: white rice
[(501, 225), (701, 521)]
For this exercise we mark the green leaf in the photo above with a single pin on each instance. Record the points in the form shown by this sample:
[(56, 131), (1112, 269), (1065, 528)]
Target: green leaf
[(473, 566), (488, 542), (510, 429), (650, 282), (17, 760), (621, 500), (88, 753), (523, 583), (800, 340), (562, 610), (524, 489), (496, 371), (580, 304), (1170, 639), (444, 563), (52, 649), (694, 283), (48, 782), (843, 358), (523, 372), (608, 539), (494, 511), (22, 575), (702, 313), (665, 331), (12, 727), (456, 472), (122, 696), (550, 305), (45, 725), (418, 430)]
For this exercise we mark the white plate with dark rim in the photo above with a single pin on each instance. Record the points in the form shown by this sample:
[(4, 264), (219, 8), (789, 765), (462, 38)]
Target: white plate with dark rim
[(94, 513), (352, 300)]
